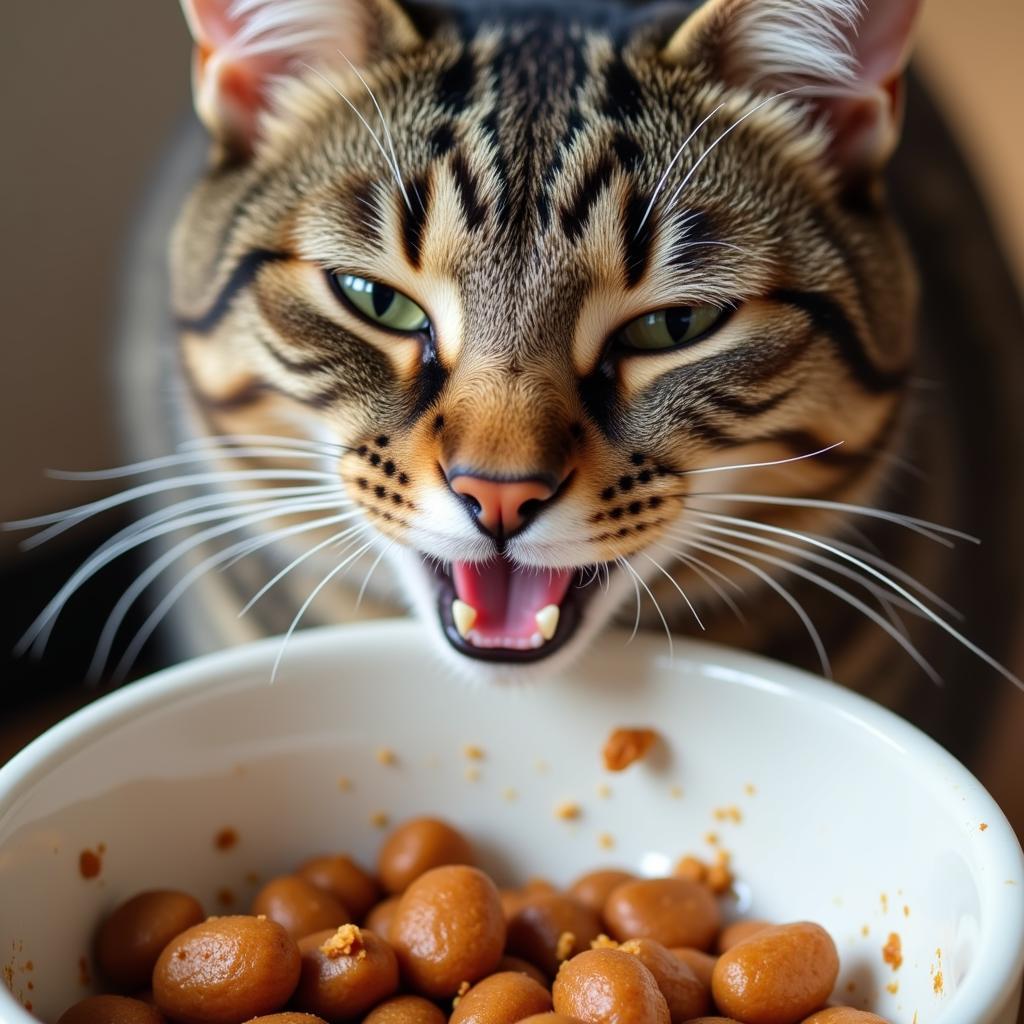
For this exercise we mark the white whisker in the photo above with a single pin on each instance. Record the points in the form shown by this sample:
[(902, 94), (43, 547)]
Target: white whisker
[(309, 600), (366, 124), (372, 570), (672, 580), (263, 440), (707, 152), (759, 465), (657, 607), (798, 608), (902, 591), (636, 587), (668, 170), (921, 526), (844, 596), (165, 605)]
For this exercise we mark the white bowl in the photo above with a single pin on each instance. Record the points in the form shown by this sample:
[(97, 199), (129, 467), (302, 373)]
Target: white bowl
[(848, 816)]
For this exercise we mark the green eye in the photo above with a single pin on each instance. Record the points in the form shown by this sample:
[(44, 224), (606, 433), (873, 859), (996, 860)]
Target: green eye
[(670, 328), (382, 305)]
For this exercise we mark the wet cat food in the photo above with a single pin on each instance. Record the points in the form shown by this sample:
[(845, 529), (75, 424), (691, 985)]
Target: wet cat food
[(431, 939)]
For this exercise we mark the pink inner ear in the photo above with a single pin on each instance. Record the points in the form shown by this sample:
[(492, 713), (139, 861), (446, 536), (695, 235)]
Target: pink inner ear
[(883, 41), (210, 21)]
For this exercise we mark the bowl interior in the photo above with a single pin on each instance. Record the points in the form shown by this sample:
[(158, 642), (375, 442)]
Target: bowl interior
[(207, 778)]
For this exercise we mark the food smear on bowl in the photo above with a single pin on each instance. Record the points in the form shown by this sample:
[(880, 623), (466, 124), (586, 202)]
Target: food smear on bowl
[(226, 839), (429, 931), (627, 746)]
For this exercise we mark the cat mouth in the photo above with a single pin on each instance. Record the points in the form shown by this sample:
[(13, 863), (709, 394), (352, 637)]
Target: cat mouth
[(500, 611)]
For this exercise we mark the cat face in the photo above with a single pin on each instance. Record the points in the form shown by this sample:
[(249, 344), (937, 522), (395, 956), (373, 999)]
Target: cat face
[(537, 275)]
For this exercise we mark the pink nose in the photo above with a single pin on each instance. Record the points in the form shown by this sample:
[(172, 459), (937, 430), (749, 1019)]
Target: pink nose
[(501, 506)]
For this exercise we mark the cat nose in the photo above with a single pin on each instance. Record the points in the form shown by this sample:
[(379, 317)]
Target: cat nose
[(501, 507)]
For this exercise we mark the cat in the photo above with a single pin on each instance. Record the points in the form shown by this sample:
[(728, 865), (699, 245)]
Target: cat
[(532, 317)]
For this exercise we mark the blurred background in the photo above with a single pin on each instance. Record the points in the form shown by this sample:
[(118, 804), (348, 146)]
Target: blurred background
[(90, 95)]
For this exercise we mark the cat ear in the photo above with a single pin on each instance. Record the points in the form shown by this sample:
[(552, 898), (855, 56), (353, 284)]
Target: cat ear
[(846, 57), (242, 47)]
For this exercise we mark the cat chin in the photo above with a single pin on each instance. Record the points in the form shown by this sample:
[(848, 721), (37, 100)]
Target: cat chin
[(420, 593)]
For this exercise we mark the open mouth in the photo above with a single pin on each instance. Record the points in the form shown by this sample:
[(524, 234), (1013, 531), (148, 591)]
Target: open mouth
[(499, 611)]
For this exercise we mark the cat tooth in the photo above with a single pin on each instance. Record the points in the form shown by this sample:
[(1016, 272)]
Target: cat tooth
[(464, 616), (547, 620)]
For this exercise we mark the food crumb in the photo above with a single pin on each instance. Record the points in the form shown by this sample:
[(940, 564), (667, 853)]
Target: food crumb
[(606, 841), (906, 910), (225, 897), (604, 791), (731, 813), (90, 863), (387, 756), (563, 949), (750, 789), (719, 879), (346, 941), (691, 868), (568, 810), (345, 784), (982, 826), (892, 951), (463, 989), (472, 774), (711, 838), (851, 987), (473, 752), (885, 903), (380, 819), (937, 983), (8, 976), (865, 930), (542, 766), (676, 792), (604, 942), (511, 794), (225, 839), (892, 988), (627, 746)]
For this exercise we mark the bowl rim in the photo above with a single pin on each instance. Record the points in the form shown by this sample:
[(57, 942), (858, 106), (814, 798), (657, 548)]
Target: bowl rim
[(993, 979)]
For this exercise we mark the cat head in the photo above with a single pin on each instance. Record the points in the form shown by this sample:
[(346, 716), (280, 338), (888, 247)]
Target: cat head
[(539, 275)]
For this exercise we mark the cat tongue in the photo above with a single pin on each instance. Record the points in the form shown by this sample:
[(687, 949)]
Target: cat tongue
[(507, 599)]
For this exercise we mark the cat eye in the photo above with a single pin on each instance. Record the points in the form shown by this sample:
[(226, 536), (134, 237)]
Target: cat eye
[(380, 304), (670, 328)]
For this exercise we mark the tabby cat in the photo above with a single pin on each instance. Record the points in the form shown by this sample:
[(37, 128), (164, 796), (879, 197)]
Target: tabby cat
[(537, 315)]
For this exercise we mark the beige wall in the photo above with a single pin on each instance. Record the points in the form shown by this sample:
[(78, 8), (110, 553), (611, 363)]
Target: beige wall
[(89, 89)]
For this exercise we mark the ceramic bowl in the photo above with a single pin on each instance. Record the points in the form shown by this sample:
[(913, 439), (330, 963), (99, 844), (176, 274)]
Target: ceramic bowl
[(832, 809)]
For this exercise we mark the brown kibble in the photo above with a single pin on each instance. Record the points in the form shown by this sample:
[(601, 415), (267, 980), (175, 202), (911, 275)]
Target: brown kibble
[(702, 964), (225, 970), (288, 1017), (607, 986), (626, 746), (502, 999), (379, 919), (299, 907), (345, 972), (738, 931), (512, 900), (844, 1015), (892, 951), (418, 846), (537, 930), (594, 888), (515, 963), (672, 911), (550, 1018), (345, 880), (449, 928), (131, 939), (779, 975), (685, 994), (406, 1010), (111, 1010)]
